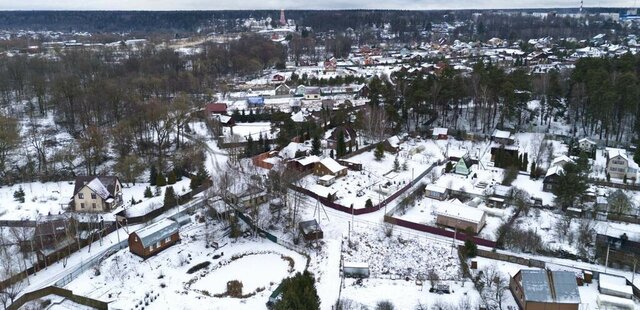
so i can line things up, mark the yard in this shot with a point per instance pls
(379, 178)
(163, 281)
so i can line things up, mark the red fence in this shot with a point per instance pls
(438, 231)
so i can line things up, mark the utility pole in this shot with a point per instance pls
(606, 261)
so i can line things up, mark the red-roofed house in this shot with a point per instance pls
(216, 108)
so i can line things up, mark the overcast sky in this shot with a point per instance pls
(297, 4)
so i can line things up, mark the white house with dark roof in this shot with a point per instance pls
(97, 193)
(619, 164)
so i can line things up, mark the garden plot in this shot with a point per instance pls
(162, 281)
(40, 199)
(244, 130)
(408, 295)
(379, 178)
(401, 256)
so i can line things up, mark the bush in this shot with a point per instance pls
(234, 289)
(161, 180)
(299, 292)
(368, 203)
(147, 192)
(385, 305)
(470, 248)
(510, 174)
(198, 267)
(171, 179)
(448, 167)
(19, 195)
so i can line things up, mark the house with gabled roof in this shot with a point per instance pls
(154, 238)
(328, 166)
(463, 166)
(619, 164)
(97, 193)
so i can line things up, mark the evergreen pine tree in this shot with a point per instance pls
(341, 147)
(525, 162)
(153, 176)
(161, 180)
(332, 154)
(533, 173)
(178, 173)
(147, 192)
(249, 148)
(171, 178)
(315, 146)
(299, 292)
(18, 195)
(379, 152)
(396, 164)
(170, 200)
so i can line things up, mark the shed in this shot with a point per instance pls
(216, 108)
(310, 230)
(326, 180)
(355, 270)
(614, 286)
(436, 192)
(440, 133)
(154, 238)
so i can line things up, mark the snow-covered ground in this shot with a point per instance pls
(40, 199)
(244, 130)
(378, 179)
(126, 280)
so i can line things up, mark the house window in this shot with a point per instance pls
(82, 205)
(93, 205)
(93, 195)
(167, 240)
(135, 239)
(80, 196)
(158, 244)
(151, 248)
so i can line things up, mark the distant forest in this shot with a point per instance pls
(189, 21)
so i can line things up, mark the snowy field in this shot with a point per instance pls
(162, 281)
(378, 179)
(244, 130)
(40, 199)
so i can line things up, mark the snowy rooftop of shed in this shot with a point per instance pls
(460, 211)
(332, 165)
(613, 283)
(565, 287)
(157, 231)
(535, 285)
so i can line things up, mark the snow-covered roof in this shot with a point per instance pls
(332, 165)
(586, 140)
(460, 211)
(560, 161)
(614, 152)
(502, 134)
(157, 231)
(616, 284)
(554, 170)
(327, 177)
(308, 160)
(535, 285)
(565, 287)
(436, 188)
(394, 141)
(298, 117)
(355, 265)
(290, 150)
(97, 187)
(619, 302)
(440, 131)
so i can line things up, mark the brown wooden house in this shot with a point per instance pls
(329, 166)
(154, 238)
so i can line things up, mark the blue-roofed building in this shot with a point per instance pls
(541, 289)
(154, 238)
(255, 101)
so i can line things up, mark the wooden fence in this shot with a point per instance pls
(438, 231)
(53, 290)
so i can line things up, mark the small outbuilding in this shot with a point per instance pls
(326, 180)
(460, 216)
(355, 270)
(436, 192)
(310, 230)
(614, 286)
(329, 166)
(440, 133)
(154, 238)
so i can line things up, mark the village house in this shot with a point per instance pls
(331, 64)
(300, 91)
(456, 215)
(463, 166)
(312, 93)
(587, 145)
(544, 289)
(561, 161)
(246, 196)
(391, 144)
(502, 137)
(440, 134)
(328, 166)
(256, 101)
(266, 160)
(278, 78)
(216, 109)
(303, 164)
(154, 238)
(619, 164)
(97, 193)
(551, 178)
(283, 90)
(349, 134)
